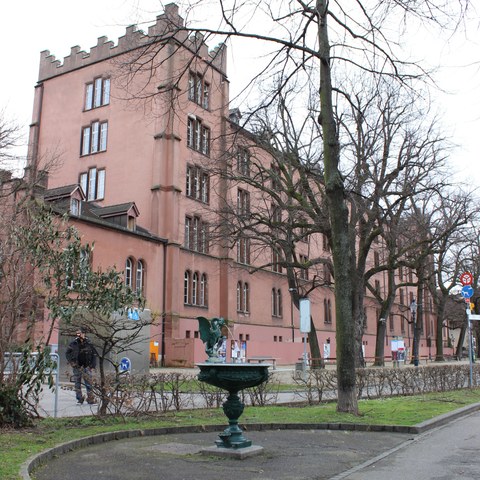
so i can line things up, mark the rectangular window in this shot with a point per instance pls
(101, 185)
(243, 162)
(93, 184)
(188, 229)
(303, 274)
(276, 177)
(103, 136)
(205, 141)
(89, 96)
(84, 182)
(198, 90)
(206, 96)
(243, 250)
(75, 206)
(97, 93)
(198, 136)
(94, 138)
(243, 202)
(197, 184)
(95, 132)
(276, 259)
(86, 140)
(196, 234)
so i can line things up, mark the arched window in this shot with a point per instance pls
(186, 287)
(140, 272)
(195, 289)
(246, 298)
(128, 272)
(203, 291)
(239, 297)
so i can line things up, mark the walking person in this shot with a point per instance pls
(82, 356)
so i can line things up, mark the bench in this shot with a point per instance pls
(271, 360)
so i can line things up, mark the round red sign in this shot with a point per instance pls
(466, 278)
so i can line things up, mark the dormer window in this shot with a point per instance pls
(131, 222)
(75, 207)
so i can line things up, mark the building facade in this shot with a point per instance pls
(146, 152)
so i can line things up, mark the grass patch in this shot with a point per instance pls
(17, 446)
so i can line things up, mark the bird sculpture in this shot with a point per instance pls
(211, 335)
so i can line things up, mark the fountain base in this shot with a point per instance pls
(237, 453)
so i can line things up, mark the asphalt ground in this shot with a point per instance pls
(445, 448)
(288, 454)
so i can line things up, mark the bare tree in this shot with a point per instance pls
(309, 40)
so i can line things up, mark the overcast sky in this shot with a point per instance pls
(30, 26)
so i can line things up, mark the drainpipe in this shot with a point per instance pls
(164, 297)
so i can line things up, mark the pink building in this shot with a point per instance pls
(138, 180)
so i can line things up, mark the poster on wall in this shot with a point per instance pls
(398, 349)
(222, 351)
(238, 351)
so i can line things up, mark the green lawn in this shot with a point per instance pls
(17, 446)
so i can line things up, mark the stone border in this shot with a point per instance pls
(41, 458)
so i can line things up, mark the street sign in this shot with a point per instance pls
(466, 278)
(125, 365)
(305, 315)
(467, 291)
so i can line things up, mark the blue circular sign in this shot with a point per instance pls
(467, 291)
(125, 364)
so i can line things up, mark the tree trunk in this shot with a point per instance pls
(338, 211)
(315, 354)
(461, 341)
(439, 331)
(380, 344)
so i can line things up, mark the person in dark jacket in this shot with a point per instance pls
(82, 356)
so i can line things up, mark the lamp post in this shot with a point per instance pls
(413, 311)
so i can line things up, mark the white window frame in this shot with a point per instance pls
(93, 183)
(128, 273)
(97, 93)
(94, 138)
(139, 277)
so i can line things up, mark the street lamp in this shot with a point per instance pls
(413, 311)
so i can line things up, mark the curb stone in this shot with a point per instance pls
(41, 458)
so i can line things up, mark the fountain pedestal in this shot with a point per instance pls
(233, 377)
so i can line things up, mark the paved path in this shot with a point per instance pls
(450, 452)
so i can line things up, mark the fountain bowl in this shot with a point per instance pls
(233, 376)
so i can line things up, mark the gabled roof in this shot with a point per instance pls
(113, 210)
(63, 192)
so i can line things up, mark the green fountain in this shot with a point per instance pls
(232, 377)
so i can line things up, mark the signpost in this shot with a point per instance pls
(305, 326)
(466, 279)
(125, 365)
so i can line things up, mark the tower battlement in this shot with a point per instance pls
(168, 25)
